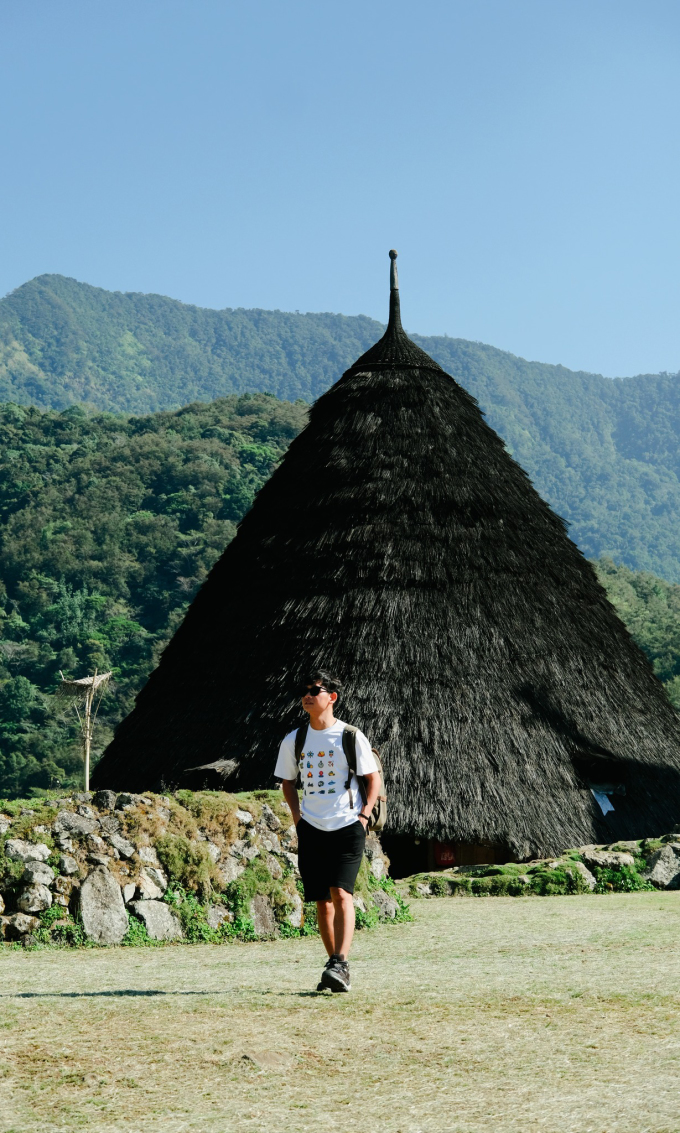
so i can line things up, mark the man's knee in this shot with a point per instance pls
(341, 896)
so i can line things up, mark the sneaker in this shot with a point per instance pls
(336, 975)
(321, 986)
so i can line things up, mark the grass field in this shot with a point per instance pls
(557, 1015)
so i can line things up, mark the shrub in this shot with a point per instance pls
(623, 880)
(388, 886)
(498, 885)
(310, 926)
(188, 866)
(70, 935)
(136, 933)
(439, 886)
(214, 811)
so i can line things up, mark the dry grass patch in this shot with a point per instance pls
(555, 1016)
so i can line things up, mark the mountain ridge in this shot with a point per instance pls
(604, 452)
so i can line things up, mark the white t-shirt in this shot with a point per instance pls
(324, 770)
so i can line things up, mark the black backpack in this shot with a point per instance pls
(349, 746)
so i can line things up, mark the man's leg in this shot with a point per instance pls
(325, 918)
(343, 922)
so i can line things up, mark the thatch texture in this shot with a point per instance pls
(400, 545)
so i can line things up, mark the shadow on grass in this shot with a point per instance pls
(152, 991)
(93, 994)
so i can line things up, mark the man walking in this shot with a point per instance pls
(331, 819)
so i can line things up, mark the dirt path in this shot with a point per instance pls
(556, 1015)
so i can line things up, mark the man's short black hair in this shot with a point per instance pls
(323, 677)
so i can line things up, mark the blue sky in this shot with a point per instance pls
(522, 156)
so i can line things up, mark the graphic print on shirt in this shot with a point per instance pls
(316, 782)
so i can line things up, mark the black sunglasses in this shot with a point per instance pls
(313, 691)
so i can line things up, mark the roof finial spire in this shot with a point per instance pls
(394, 278)
(394, 324)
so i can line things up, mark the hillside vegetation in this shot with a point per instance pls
(604, 453)
(107, 528)
(108, 525)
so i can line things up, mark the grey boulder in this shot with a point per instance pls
(102, 909)
(125, 848)
(160, 921)
(274, 867)
(125, 800)
(378, 868)
(129, 891)
(5, 823)
(148, 855)
(109, 824)
(105, 800)
(289, 839)
(217, 915)
(19, 851)
(68, 823)
(229, 870)
(19, 925)
(572, 867)
(63, 887)
(262, 916)
(152, 883)
(606, 859)
(270, 818)
(295, 916)
(67, 865)
(663, 868)
(385, 904)
(38, 873)
(34, 899)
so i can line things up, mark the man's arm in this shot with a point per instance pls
(372, 781)
(289, 788)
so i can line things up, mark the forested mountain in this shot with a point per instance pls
(109, 524)
(604, 453)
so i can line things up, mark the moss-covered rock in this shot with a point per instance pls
(622, 867)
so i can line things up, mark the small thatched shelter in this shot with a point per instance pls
(400, 545)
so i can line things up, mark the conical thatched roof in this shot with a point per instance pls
(399, 545)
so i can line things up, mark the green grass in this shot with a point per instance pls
(505, 1016)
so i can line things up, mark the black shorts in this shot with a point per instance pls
(329, 858)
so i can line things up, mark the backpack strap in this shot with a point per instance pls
(299, 744)
(349, 746)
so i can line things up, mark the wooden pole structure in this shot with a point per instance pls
(87, 729)
(85, 690)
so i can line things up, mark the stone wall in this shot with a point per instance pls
(620, 867)
(109, 868)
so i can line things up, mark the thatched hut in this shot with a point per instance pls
(400, 545)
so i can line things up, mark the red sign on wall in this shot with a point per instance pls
(444, 854)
